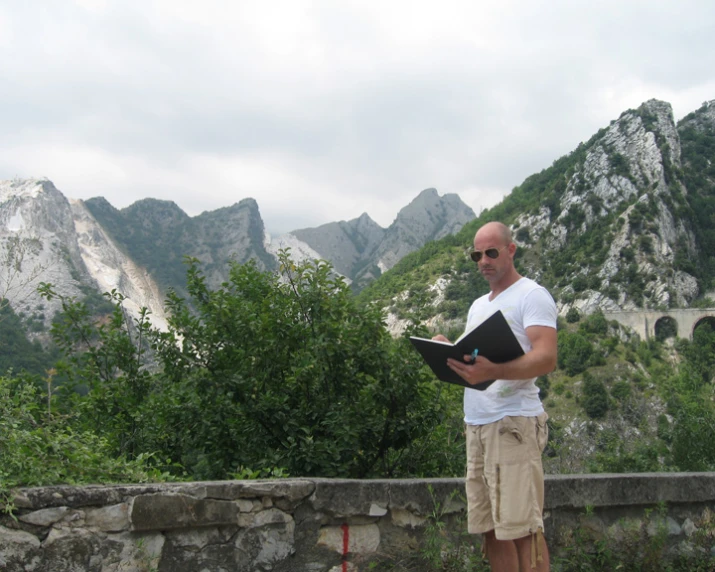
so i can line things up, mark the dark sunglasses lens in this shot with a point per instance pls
(490, 252)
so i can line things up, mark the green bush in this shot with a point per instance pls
(38, 447)
(595, 323)
(574, 352)
(287, 371)
(594, 397)
(573, 315)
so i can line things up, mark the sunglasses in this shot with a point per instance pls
(490, 252)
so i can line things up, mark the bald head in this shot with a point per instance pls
(495, 231)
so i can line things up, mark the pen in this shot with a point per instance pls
(474, 355)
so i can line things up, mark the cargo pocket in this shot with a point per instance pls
(542, 431)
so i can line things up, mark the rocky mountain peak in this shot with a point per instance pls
(21, 188)
(428, 217)
(40, 243)
(625, 185)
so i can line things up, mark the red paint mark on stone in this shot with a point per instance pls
(346, 544)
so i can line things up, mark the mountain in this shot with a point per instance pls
(623, 222)
(44, 237)
(86, 248)
(361, 250)
(158, 235)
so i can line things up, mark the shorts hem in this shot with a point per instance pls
(515, 533)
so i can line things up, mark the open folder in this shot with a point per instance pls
(493, 339)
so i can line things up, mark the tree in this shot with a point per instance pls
(107, 359)
(288, 374)
(574, 352)
(595, 397)
(573, 315)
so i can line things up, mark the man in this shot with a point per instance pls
(506, 423)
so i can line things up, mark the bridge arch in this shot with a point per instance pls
(643, 322)
(704, 320)
(665, 327)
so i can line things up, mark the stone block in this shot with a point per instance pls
(406, 519)
(377, 510)
(360, 539)
(72, 549)
(339, 498)
(268, 540)
(113, 518)
(19, 551)
(167, 512)
(132, 552)
(45, 516)
(421, 496)
(245, 505)
(660, 525)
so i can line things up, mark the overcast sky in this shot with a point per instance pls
(323, 110)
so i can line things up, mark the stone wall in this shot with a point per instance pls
(319, 525)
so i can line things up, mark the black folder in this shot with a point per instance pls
(492, 338)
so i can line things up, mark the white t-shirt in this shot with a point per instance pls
(523, 304)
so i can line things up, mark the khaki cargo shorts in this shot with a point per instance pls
(505, 477)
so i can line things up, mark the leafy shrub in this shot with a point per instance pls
(543, 384)
(621, 390)
(289, 372)
(573, 315)
(595, 397)
(595, 323)
(38, 447)
(574, 352)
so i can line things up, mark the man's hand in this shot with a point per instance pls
(479, 370)
(440, 338)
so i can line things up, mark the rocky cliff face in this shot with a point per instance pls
(111, 269)
(627, 189)
(158, 235)
(346, 244)
(45, 238)
(89, 246)
(624, 222)
(428, 217)
(361, 250)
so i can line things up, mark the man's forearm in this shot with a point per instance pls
(532, 364)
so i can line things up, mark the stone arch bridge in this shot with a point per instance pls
(643, 322)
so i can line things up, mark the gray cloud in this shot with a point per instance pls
(323, 110)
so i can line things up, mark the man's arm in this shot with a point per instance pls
(539, 361)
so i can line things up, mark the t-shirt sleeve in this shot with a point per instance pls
(539, 309)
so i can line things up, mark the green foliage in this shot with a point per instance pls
(443, 552)
(595, 323)
(543, 384)
(621, 390)
(41, 448)
(666, 328)
(573, 315)
(594, 397)
(641, 545)
(574, 352)
(290, 372)
(16, 351)
(109, 361)
(701, 352)
(619, 165)
(697, 150)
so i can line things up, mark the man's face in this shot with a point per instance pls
(493, 269)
